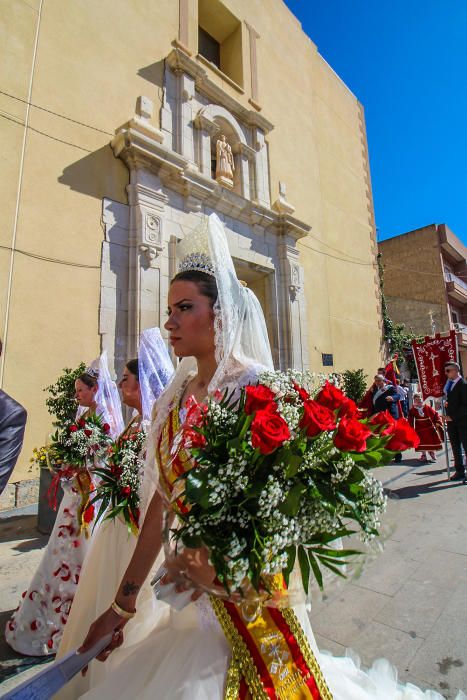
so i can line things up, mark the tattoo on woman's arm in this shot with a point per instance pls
(130, 588)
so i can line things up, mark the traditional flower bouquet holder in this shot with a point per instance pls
(118, 491)
(72, 452)
(272, 478)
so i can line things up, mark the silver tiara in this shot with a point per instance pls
(197, 261)
(92, 371)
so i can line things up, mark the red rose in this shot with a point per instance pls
(106, 427)
(193, 438)
(303, 394)
(73, 428)
(348, 408)
(403, 437)
(351, 435)
(257, 398)
(81, 422)
(331, 397)
(88, 432)
(316, 418)
(383, 422)
(126, 490)
(268, 431)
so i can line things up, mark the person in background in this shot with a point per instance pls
(455, 390)
(386, 398)
(12, 425)
(428, 425)
(403, 398)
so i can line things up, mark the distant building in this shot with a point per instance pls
(425, 282)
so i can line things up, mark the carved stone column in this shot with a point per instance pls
(184, 141)
(261, 195)
(247, 156)
(292, 309)
(147, 206)
(207, 130)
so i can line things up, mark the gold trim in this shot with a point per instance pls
(241, 657)
(297, 631)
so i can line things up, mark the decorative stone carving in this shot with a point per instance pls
(151, 243)
(281, 205)
(225, 165)
(144, 107)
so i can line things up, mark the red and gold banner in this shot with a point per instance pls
(430, 356)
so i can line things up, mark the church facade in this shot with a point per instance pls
(124, 125)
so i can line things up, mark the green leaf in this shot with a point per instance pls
(337, 553)
(293, 465)
(316, 570)
(304, 567)
(333, 568)
(196, 487)
(373, 458)
(291, 504)
(291, 555)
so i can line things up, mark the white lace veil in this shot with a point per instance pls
(241, 339)
(108, 399)
(155, 368)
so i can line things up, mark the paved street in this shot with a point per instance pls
(409, 605)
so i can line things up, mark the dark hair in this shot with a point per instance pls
(133, 367)
(205, 283)
(88, 379)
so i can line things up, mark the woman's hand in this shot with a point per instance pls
(188, 569)
(108, 623)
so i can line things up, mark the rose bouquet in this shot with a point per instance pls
(80, 443)
(120, 479)
(276, 476)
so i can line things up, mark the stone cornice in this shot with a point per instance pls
(181, 62)
(140, 145)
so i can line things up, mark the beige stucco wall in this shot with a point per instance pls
(91, 62)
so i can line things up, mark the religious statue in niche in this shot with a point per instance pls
(225, 165)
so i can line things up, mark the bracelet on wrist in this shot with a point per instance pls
(121, 612)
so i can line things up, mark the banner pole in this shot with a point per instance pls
(445, 425)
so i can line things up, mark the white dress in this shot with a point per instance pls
(187, 656)
(36, 627)
(111, 550)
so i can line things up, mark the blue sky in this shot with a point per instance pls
(407, 63)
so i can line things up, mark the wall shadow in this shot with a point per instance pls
(98, 175)
(154, 73)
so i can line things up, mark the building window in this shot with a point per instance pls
(327, 359)
(220, 39)
(455, 316)
(209, 47)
